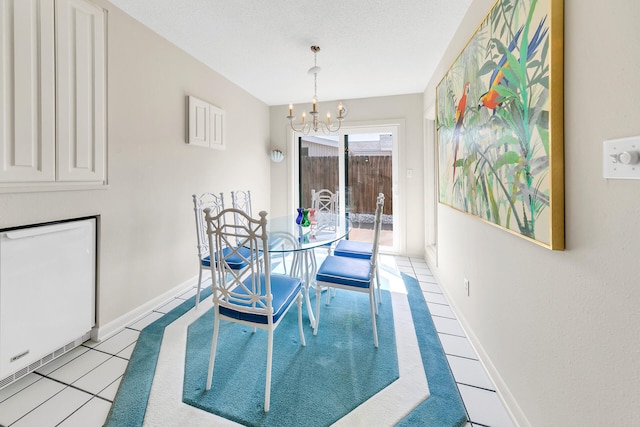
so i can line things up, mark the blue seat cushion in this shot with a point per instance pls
(234, 261)
(345, 271)
(350, 248)
(284, 290)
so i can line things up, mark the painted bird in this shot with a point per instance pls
(490, 99)
(462, 106)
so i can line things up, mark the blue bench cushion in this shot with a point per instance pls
(235, 261)
(345, 271)
(284, 290)
(350, 248)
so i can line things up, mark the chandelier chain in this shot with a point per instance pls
(315, 74)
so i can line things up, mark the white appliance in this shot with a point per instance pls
(47, 293)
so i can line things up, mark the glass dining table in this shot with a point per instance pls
(286, 237)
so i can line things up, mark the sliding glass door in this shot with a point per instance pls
(357, 164)
(319, 166)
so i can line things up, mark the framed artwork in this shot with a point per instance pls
(500, 122)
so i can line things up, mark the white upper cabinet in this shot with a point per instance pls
(80, 61)
(53, 92)
(27, 95)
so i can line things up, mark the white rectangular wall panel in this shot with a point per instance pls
(199, 132)
(205, 124)
(217, 131)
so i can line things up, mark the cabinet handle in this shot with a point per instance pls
(38, 231)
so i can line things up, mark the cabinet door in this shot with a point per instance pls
(27, 95)
(81, 94)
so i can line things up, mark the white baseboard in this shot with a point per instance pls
(102, 332)
(431, 255)
(510, 403)
(502, 390)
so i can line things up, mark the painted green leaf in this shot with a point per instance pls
(508, 140)
(506, 92)
(508, 158)
(515, 73)
(544, 136)
(487, 68)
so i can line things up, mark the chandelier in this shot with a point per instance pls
(315, 125)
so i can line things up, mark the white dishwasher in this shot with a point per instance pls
(47, 293)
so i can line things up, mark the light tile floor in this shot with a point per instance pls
(484, 406)
(77, 389)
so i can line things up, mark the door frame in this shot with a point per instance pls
(397, 128)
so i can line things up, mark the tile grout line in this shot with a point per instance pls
(470, 422)
(409, 265)
(448, 364)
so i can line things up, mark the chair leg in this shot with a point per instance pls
(212, 356)
(199, 285)
(373, 316)
(378, 282)
(284, 262)
(328, 296)
(299, 303)
(376, 298)
(295, 266)
(375, 302)
(267, 387)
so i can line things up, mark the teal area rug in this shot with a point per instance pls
(130, 403)
(444, 406)
(314, 385)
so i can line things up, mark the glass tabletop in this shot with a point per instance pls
(287, 236)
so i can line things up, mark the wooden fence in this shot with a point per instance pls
(367, 176)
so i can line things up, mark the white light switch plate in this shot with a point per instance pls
(616, 155)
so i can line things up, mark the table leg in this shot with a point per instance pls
(309, 272)
(305, 266)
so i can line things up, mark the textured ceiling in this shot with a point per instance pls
(368, 47)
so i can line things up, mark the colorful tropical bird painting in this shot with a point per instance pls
(490, 99)
(462, 106)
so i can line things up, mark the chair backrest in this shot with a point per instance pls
(324, 201)
(215, 203)
(230, 286)
(376, 229)
(241, 200)
(325, 204)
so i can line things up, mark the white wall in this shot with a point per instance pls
(147, 232)
(560, 331)
(406, 109)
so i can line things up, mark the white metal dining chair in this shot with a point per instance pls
(278, 242)
(215, 203)
(324, 203)
(241, 200)
(361, 250)
(255, 297)
(352, 274)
